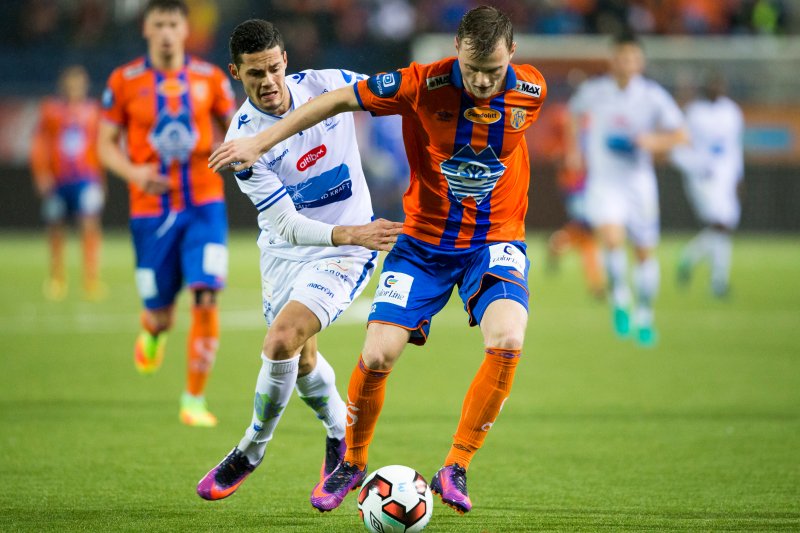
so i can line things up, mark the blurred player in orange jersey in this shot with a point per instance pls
(464, 120)
(69, 180)
(166, 104)
(577, 232)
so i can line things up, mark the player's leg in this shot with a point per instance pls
(54, 211)
(158, 281)
(91, 205)
(495, 293)
(645, 234)
(202, 247)
(721, 252)
(316, 386)
(365, 395)
(615, 256)
(201, 352)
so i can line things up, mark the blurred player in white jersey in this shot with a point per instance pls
(315, 218)
(630, 119)
(713, 168)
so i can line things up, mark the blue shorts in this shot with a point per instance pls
(417, 280)
(79, 198)
(184, 246)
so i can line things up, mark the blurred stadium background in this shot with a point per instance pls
(754, 42)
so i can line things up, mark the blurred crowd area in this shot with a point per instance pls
(364, 35)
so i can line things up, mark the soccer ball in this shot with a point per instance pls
(395, 499)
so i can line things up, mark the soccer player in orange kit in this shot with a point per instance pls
(463, 123)
(69, 180)
(166, 103)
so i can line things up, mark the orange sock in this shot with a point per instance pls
(364, 403)
(56, 238)
(485, 397)
(202, 349)
(91, 255)
(595, 276)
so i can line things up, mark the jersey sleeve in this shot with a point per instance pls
(390, 93)
(224, 98)
(670, 116)
(112, 102)
(40, 146)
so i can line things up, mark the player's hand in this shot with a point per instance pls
(237, 154)
(44, 186)
(379, 234)
(147, 178)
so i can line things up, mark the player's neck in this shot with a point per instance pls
(170, 62)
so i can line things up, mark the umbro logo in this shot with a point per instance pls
(243, 119)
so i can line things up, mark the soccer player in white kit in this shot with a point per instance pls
(713, 168)
(316, 242)
(630, 118)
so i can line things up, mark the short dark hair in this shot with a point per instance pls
(252, 36)
(626, 36)
(484, 27)
(166, 5)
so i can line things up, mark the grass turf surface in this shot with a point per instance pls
(700, 433)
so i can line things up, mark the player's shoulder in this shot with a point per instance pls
(201, 67)
(244, 122)
(324, 78)
(529, 81)
(131, 70)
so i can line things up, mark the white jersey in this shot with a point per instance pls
(615, 117)
(716, 130)
(319, 169)
(713, 163)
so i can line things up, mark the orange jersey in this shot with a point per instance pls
(469, 161)
(64, 144)
(168, 120)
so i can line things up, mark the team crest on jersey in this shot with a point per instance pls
(172, 88)
(482, 115)
(518, 115)
(531, 89)
(385, 85)
(173, 136)
(472, 175)
(437, 82)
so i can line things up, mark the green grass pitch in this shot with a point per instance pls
(700, 433)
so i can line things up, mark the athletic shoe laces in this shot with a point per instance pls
(232, 467)
(459, 478)
(341, 476)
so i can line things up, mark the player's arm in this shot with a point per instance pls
(43, 178)
(146, 177)
(245, 151)
(299, 230)
(573, 158)
(661, 142)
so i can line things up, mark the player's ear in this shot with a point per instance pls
(234, 71)
(512, 50)
(455, 43)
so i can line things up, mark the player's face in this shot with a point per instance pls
(485, 76)
(166, 32)
(75, 84)
(627, 61)
(263, 75)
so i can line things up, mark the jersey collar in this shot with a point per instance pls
(458, 81)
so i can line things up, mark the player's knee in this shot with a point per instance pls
(506, 337)
(205, 297)
(377, 359)
(282, 343)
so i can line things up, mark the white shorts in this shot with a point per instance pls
(326, 286)
(714, 199)
(633, 205)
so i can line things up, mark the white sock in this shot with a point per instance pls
(721, 251)
(273, 391)
(616, 260)
(318, 390)
(646, 278)
(699, 247)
